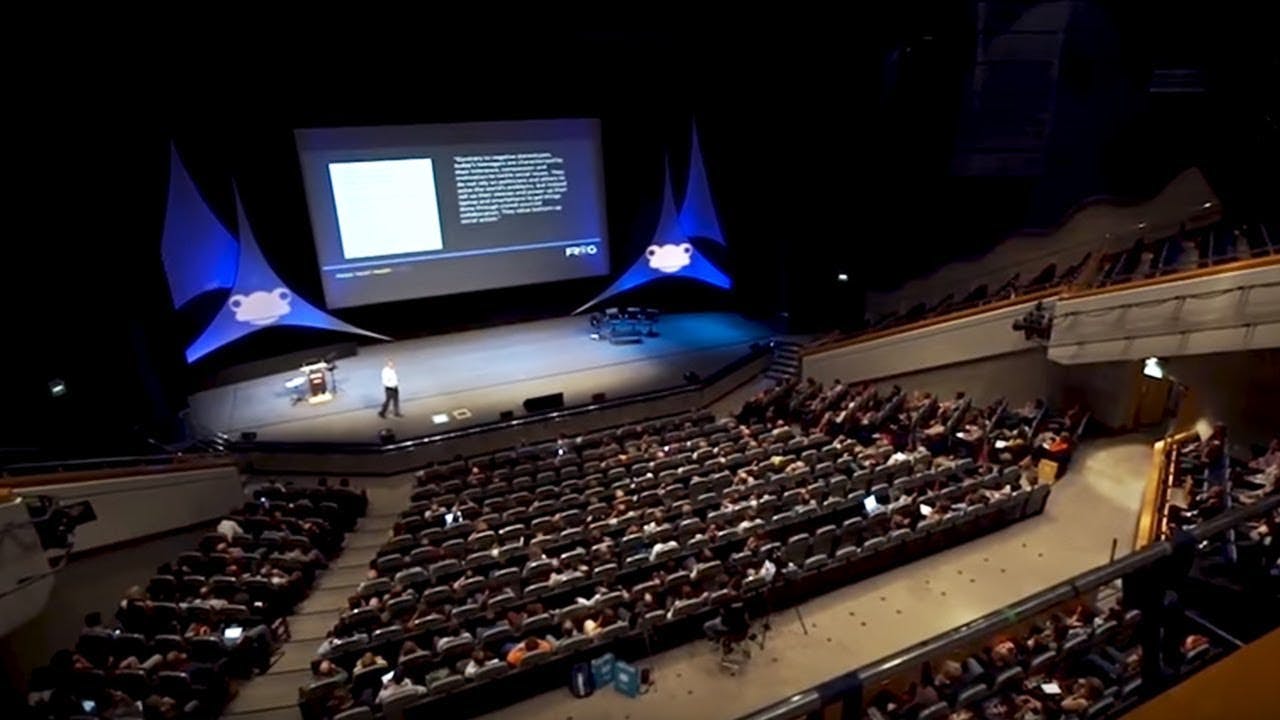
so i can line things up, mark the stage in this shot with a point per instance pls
(481, 372)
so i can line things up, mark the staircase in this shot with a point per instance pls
(786, 361)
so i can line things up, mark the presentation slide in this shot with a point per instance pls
(415, 211)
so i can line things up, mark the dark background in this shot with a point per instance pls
(829, 145)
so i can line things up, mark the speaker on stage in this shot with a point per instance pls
(598, 398)
(386, 436)
(506, 415)
(248, 436)
(543, 403)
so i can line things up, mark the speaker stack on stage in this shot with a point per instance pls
(543, 403)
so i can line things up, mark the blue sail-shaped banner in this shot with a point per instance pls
(697, 212)
(260, 299)
(199, 254)
(670, 254)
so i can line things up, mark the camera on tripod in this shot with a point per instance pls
(55, 524)
(1037, 324)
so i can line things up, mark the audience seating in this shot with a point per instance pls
(1183, 251)
(1092, 655)
(168, 654)
(628, 540)
(1207, 481)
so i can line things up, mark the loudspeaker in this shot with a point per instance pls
(597, 398)
(543, 403)
(248, 436)
(506, 415)
(386, 436)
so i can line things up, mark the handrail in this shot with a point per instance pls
(931, 322)
(1191, 274)
(980, 629)
(1069, 291)
(177, 463)
(1155, 496)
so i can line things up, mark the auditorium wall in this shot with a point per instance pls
(960, 341)
(135, 506)
(1240, 389)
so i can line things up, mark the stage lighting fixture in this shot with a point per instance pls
(440, 418)
(842, 277)
(1152, 368)
(57, 388)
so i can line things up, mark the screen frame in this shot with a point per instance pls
(317, 147)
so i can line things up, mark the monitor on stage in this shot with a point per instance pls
(412, 211)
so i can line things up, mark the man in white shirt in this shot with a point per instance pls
(390, 386)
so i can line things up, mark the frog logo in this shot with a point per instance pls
(669, 258)
(261, 307)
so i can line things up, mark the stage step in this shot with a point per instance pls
(785, 365)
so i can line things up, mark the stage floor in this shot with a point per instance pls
(484, 371)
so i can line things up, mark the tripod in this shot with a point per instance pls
(767, 625)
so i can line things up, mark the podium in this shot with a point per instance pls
(314, 383)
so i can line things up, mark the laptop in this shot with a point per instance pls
(231, 635)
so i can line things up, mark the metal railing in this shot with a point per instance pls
(842, 696)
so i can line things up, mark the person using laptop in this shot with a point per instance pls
(393, 683)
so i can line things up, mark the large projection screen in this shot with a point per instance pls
(413, 211)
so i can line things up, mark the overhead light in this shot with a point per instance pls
(1208, 205)
(440, 418)
(1142, 224)
(57, 388)
(1152, 368)
(842, 277)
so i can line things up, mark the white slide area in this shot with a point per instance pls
(386, 207)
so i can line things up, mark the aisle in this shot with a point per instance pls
(275, 694)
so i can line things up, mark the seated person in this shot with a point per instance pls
(518, 653)
(1270, 459)
(1084, 692)
(323, 669)
(732, 622)
(596, 623)
(396, 684)
(369, 660)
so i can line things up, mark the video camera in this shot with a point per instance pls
(55, 523)
(1037, 324)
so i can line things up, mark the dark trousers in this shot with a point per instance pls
(392, 400)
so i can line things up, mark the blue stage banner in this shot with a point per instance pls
(199, 254)
(259, 299)
(669, 254)
(697, 212)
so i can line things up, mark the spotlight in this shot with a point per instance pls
(57, 388)
(842, 277)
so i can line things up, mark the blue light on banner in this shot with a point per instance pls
(260, 299)
(199, 254)
(670, 254)
(697, 212)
